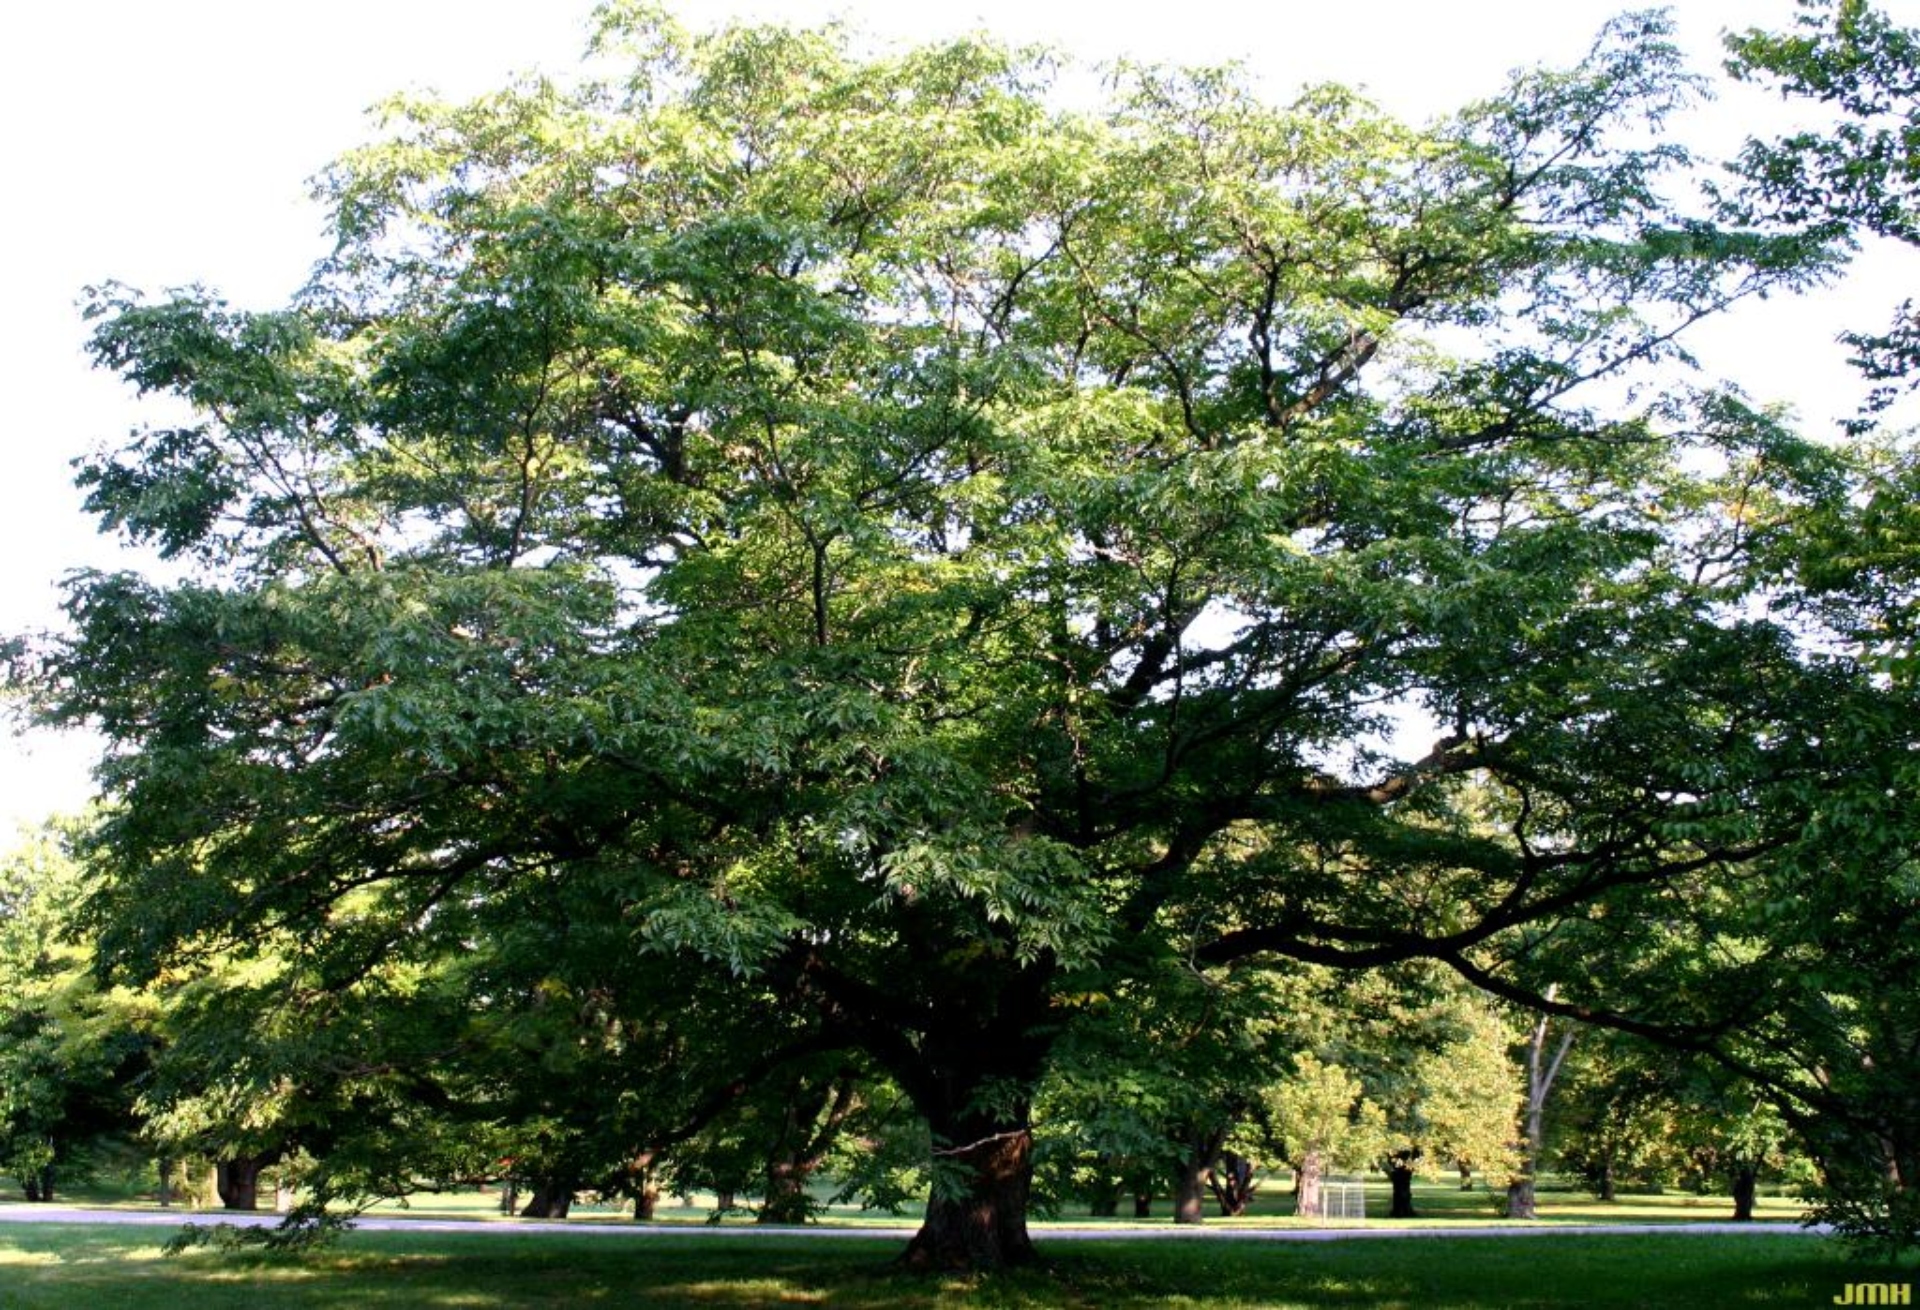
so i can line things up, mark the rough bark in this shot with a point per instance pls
(978, 1221)
(1143, 1205)
(1520, 1199)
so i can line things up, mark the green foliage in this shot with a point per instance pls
(1320, 1109)
(788, 550)
(1857, 171)
(68, 1048)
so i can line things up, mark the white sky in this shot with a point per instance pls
(161, 142)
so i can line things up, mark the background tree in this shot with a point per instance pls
(1327, 1123)
(71, 1052)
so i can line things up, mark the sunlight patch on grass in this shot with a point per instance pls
(18, 1257)
(745, 1291)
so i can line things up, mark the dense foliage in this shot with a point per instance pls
(781, 561)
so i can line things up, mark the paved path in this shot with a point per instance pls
(49, 1214)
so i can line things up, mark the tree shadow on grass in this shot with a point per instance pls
(123, 1268)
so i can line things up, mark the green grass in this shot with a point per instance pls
(69, 1266)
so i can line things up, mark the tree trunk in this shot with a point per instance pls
(1466, 1177)
(786, 1200)
(237, 1180)
(1103, 1197)
(1400, 1175)
(978, 1218)
(1309, 1194)
(1190, 1191)
(1232, 1184)
(814, 1117)
(1746, 1179)
(164, 1168)
(1542, 1070)
(1190, 1178)
(641, 1185)
(552, 1198)
(1143, 1205)
(1605, 1189)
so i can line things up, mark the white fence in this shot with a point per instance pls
(1345, 1199)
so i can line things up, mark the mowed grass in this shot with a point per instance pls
(85, 1265)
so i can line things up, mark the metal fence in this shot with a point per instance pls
(1345, 1198)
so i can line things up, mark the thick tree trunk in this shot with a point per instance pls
(786, 1200)
(237, 1180)
(1190, 1178)
(641, 1185)
(1143, 1205)
(1604, 1189)
(1466, 1177)
(1746, 1181)
(1520, 1199)
(978, 1220)
(1400, 1175)
(1309, 1192)
(1232, 1183)
(552, 1198)
(1190, 1191)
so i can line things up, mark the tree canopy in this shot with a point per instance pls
(782, 549)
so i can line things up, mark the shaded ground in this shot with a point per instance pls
(69, 1266)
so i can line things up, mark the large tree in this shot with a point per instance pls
(916, 556)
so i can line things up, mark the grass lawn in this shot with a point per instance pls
(70, 1266)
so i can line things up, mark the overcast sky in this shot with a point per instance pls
(162, 142)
